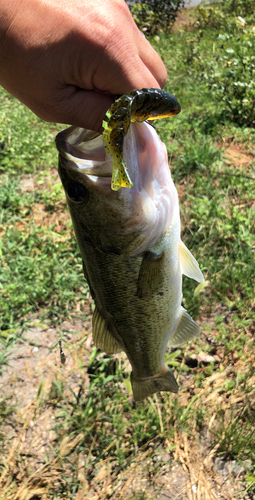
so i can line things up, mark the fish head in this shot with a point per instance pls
(127, 221)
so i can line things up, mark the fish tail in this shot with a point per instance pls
(143, 388)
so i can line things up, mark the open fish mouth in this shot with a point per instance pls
(147, 207)
(85, 151)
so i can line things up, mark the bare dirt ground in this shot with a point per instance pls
(184, 19)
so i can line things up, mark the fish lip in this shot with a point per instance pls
(61, 142)
(67, 139)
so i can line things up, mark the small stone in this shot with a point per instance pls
(166, 457)
(232, 467)
(217, 359)
(205, 358)
(220, 467)
(236, 469)
(247, 464)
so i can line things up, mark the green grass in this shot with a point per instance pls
(36, 261)
(41, 276)
(26, 142)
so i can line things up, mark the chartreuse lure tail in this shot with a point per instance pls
(135, 106)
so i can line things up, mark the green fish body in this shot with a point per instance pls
(132, 253)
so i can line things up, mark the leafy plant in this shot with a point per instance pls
(4, 353)
(218, 14)
(213, 17)
(230, 77)
(154, 16)
(238, 7)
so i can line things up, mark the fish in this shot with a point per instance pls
(125, 213)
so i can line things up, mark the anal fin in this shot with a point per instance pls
(143, 388)
(186, 330)
(102, 337)
(189, 265)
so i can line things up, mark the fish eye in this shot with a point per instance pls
(77, 192)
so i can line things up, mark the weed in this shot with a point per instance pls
(251, 482)
(153, 16)
(197, 155)
(235, 436)
(229, 76)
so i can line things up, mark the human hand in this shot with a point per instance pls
(66, 60)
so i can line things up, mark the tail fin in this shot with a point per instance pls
(142, 388)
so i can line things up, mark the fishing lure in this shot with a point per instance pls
(135, 106)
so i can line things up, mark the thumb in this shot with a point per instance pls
(84, 108)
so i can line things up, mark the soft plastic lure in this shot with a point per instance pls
(135, 106)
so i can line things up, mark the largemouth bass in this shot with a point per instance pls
(129, 238)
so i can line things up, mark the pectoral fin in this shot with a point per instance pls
(150, 275)
(102, 337)
(189, 265)
(186, 330)
(142, 388)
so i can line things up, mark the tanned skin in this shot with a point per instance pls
(68, 59)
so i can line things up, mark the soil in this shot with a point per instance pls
(184, 20)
